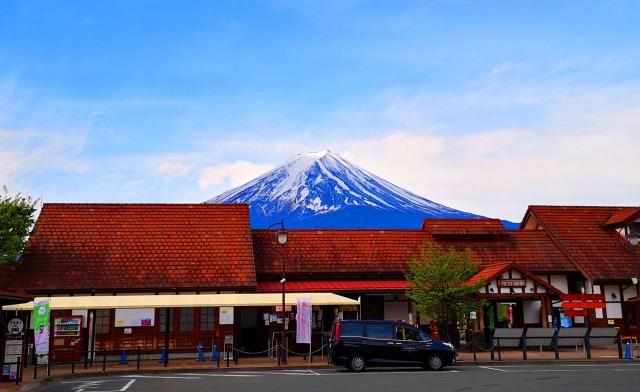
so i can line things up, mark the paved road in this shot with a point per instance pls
(520, 378)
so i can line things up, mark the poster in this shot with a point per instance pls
(226, 315)
(41, 325)
(142, 317)
(303, 332)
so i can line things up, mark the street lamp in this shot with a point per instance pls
(633, 238)
(282, 235)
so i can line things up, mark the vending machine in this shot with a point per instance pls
(67, 335)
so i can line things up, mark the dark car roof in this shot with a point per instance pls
(394, 322)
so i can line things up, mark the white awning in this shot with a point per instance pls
(184, 301)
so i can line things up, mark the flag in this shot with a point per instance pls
(303, 333)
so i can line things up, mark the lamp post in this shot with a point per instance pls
(633, 239)
(282, 235)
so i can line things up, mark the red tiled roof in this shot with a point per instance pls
(596, 250)
(333, 286)
(138, 247)
(318, 254)
(465, 228)
(362, 254)
(622, 218)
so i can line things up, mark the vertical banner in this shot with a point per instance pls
(41, 315)
(303, 333)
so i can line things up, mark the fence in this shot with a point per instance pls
(549, 338)
(142, 358)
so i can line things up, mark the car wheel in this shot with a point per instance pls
(357, 363)
(434, 362)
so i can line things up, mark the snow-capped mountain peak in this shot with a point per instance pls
(323, 190)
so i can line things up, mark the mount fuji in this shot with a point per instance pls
(322, 190)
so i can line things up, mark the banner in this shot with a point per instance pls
(41, 315)
(303, 333)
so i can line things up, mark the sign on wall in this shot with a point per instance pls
(226, 315)
(144, 317)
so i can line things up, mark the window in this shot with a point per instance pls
(380, 331)
(103, 320)
(186, 319)
(207, 319)
(347, 329)
(163, 320)
(406, 334)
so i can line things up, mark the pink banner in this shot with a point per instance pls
(303, 333)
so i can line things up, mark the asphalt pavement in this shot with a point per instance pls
(33, 378)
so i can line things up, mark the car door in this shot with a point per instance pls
(410, 345)
(380, 345)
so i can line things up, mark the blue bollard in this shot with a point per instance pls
(214, 353)
(200, 354)
(627, 354)
(163, 357)
(123, 357)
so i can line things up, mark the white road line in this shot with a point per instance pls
(184, 377)
(492, 368)
(94, 384)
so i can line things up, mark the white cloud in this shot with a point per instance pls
(173, 169)
(504, 68)
(230, 175)
(585, 154)
(23, 152)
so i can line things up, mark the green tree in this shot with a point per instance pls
(438, 284)
(17, 216)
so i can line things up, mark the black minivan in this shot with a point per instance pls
(358, 344)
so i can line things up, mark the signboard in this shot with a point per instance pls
(512, 282)
(577, 305)
(226, 315)
(41, 325)
(144, 317)
(303, 330)
(14, 337)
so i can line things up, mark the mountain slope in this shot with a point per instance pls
(323, 190)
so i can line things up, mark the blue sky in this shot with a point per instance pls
(484, 106)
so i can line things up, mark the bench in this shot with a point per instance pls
(574, 336)
(542, 337)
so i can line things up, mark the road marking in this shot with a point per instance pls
(561, 368)
(492, 368)
(92, 385)
(161, 377)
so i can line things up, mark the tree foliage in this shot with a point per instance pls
(438, 285)
(16, 224)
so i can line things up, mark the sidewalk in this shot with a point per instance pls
(567, 355)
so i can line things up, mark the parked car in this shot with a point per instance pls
(358, 344)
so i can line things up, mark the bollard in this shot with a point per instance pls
(627, 354)
(163, 355)
(214, 353)
(138, 360)
(104, 362)
(200, 354)
(123, 357)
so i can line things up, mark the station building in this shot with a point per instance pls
(150, 275)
